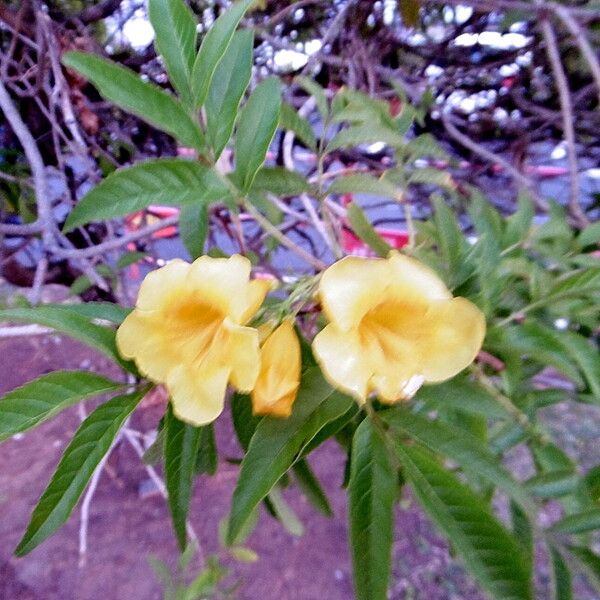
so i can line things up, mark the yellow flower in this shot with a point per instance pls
(277, 384)
(187, 331)
(393, 324)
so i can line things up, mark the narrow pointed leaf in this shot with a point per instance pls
(561, 577)
(278, 443)
(167, 181)
(310, 486)
(588, 520)
(33, 403)
(72, 324)
(181, 451)
(365, 231)
(193, 227)
(256, 128)
(226, 90)
(291, 120)
(372, 492)
(207, 458)
(175, 40)
(141, 98)
(459, 446)
(90, 443)
(489, 552)
(213, 47)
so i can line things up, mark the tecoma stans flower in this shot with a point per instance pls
(393, 325)
(187, 331)
(279, 378)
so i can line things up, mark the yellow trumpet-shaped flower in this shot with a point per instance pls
(393, 324)
(187, 331)
(279, 378)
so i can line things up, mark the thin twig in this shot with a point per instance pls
(566, 106)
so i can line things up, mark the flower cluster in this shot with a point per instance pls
(393, 325)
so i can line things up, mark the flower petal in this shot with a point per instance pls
(222, 283)
(139, 337)
(279, 379)
(343, 361)
(162, 285)
(198, 395)
(239, 349)
(412, 281)
(351, 287)
(456, 329)
(257, 290)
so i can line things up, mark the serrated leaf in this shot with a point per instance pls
(451, 239)
(372, 493)
(310, 486)
(72, 324)
(174, 26)
(141, 98)
(181, 451)
(33, 403)
(519, 223)
(364, 184)
(166, 181)
(291, 120)
(257, 125)
(193, 228)
(226, 90)
(424, 145)
(213, 47)
(280, 181)
(588, 520)
(458, 445)
(90, 443)
(278, 443)
(365, 231)
(489, 552)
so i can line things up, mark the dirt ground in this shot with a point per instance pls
(126, 528)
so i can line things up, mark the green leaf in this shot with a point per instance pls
(175, 40)
(207, 458)
(90, 443)
(278, 443)
(181, 450)
(167, 181)
(38, 400)
(364, 184)
(310, 486)
(587, 358)
(244, 422)
(103, 311)
(451, 239)
(424, 145)
(490, 552)
(372, 493)
(72, 324)
(554, 484)
(589, 562)
(255, 131)
(589, 236)
(226, 90)
(312, 88)
(588, 520)
(431, 176)
(365, 231)
(561, 577)
(519, 224)
(461, 394)
(365, 134)
(280, 181)
(193, 227)
(141, 98)
(213, 48)
(291, 120)
(285, 514)
(458, 445)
